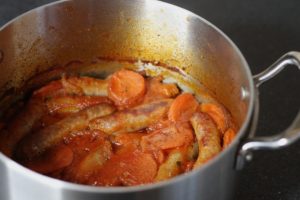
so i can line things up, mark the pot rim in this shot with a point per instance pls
(11, 164)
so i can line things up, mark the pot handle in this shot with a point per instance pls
(283, 139)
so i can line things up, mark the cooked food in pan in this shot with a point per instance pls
(128, 129)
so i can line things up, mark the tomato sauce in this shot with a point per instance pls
(125, 130)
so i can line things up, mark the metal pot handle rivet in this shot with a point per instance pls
(286, 137)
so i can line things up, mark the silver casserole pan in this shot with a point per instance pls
(146, 30)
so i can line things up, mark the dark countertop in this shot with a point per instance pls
(263, 30)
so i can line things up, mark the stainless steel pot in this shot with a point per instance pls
(85, 30)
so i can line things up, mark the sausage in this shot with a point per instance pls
(71, 104)
(36, 143)
(89, 86)
(171, 167)
(132, 119)
(21, 125)
(208, 137)
(73, 86)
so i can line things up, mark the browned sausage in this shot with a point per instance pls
(71, 104)
(36, 143)
(73, 85)
(208, 137)
(21, 125)
(133, 119)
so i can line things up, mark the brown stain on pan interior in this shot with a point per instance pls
(126, 35)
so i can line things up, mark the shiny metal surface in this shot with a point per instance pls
(291, 58)
(87, 30)
(280, 140)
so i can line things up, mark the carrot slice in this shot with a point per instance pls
(175, 135)
(183, 107)
(228, 137)
(127, 141)
(126, 169)
(54, 159)
(156, 89)
(218, 114)
(126, 88)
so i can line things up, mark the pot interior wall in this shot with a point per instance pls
(151, 31)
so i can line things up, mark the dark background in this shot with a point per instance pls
(263, 30)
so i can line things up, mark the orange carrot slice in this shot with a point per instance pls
(127, 140)
(175, 135)
(218, 114)
(156, 89)
(126, 88)
(228, 137)
(126, 169)
(183, 107)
